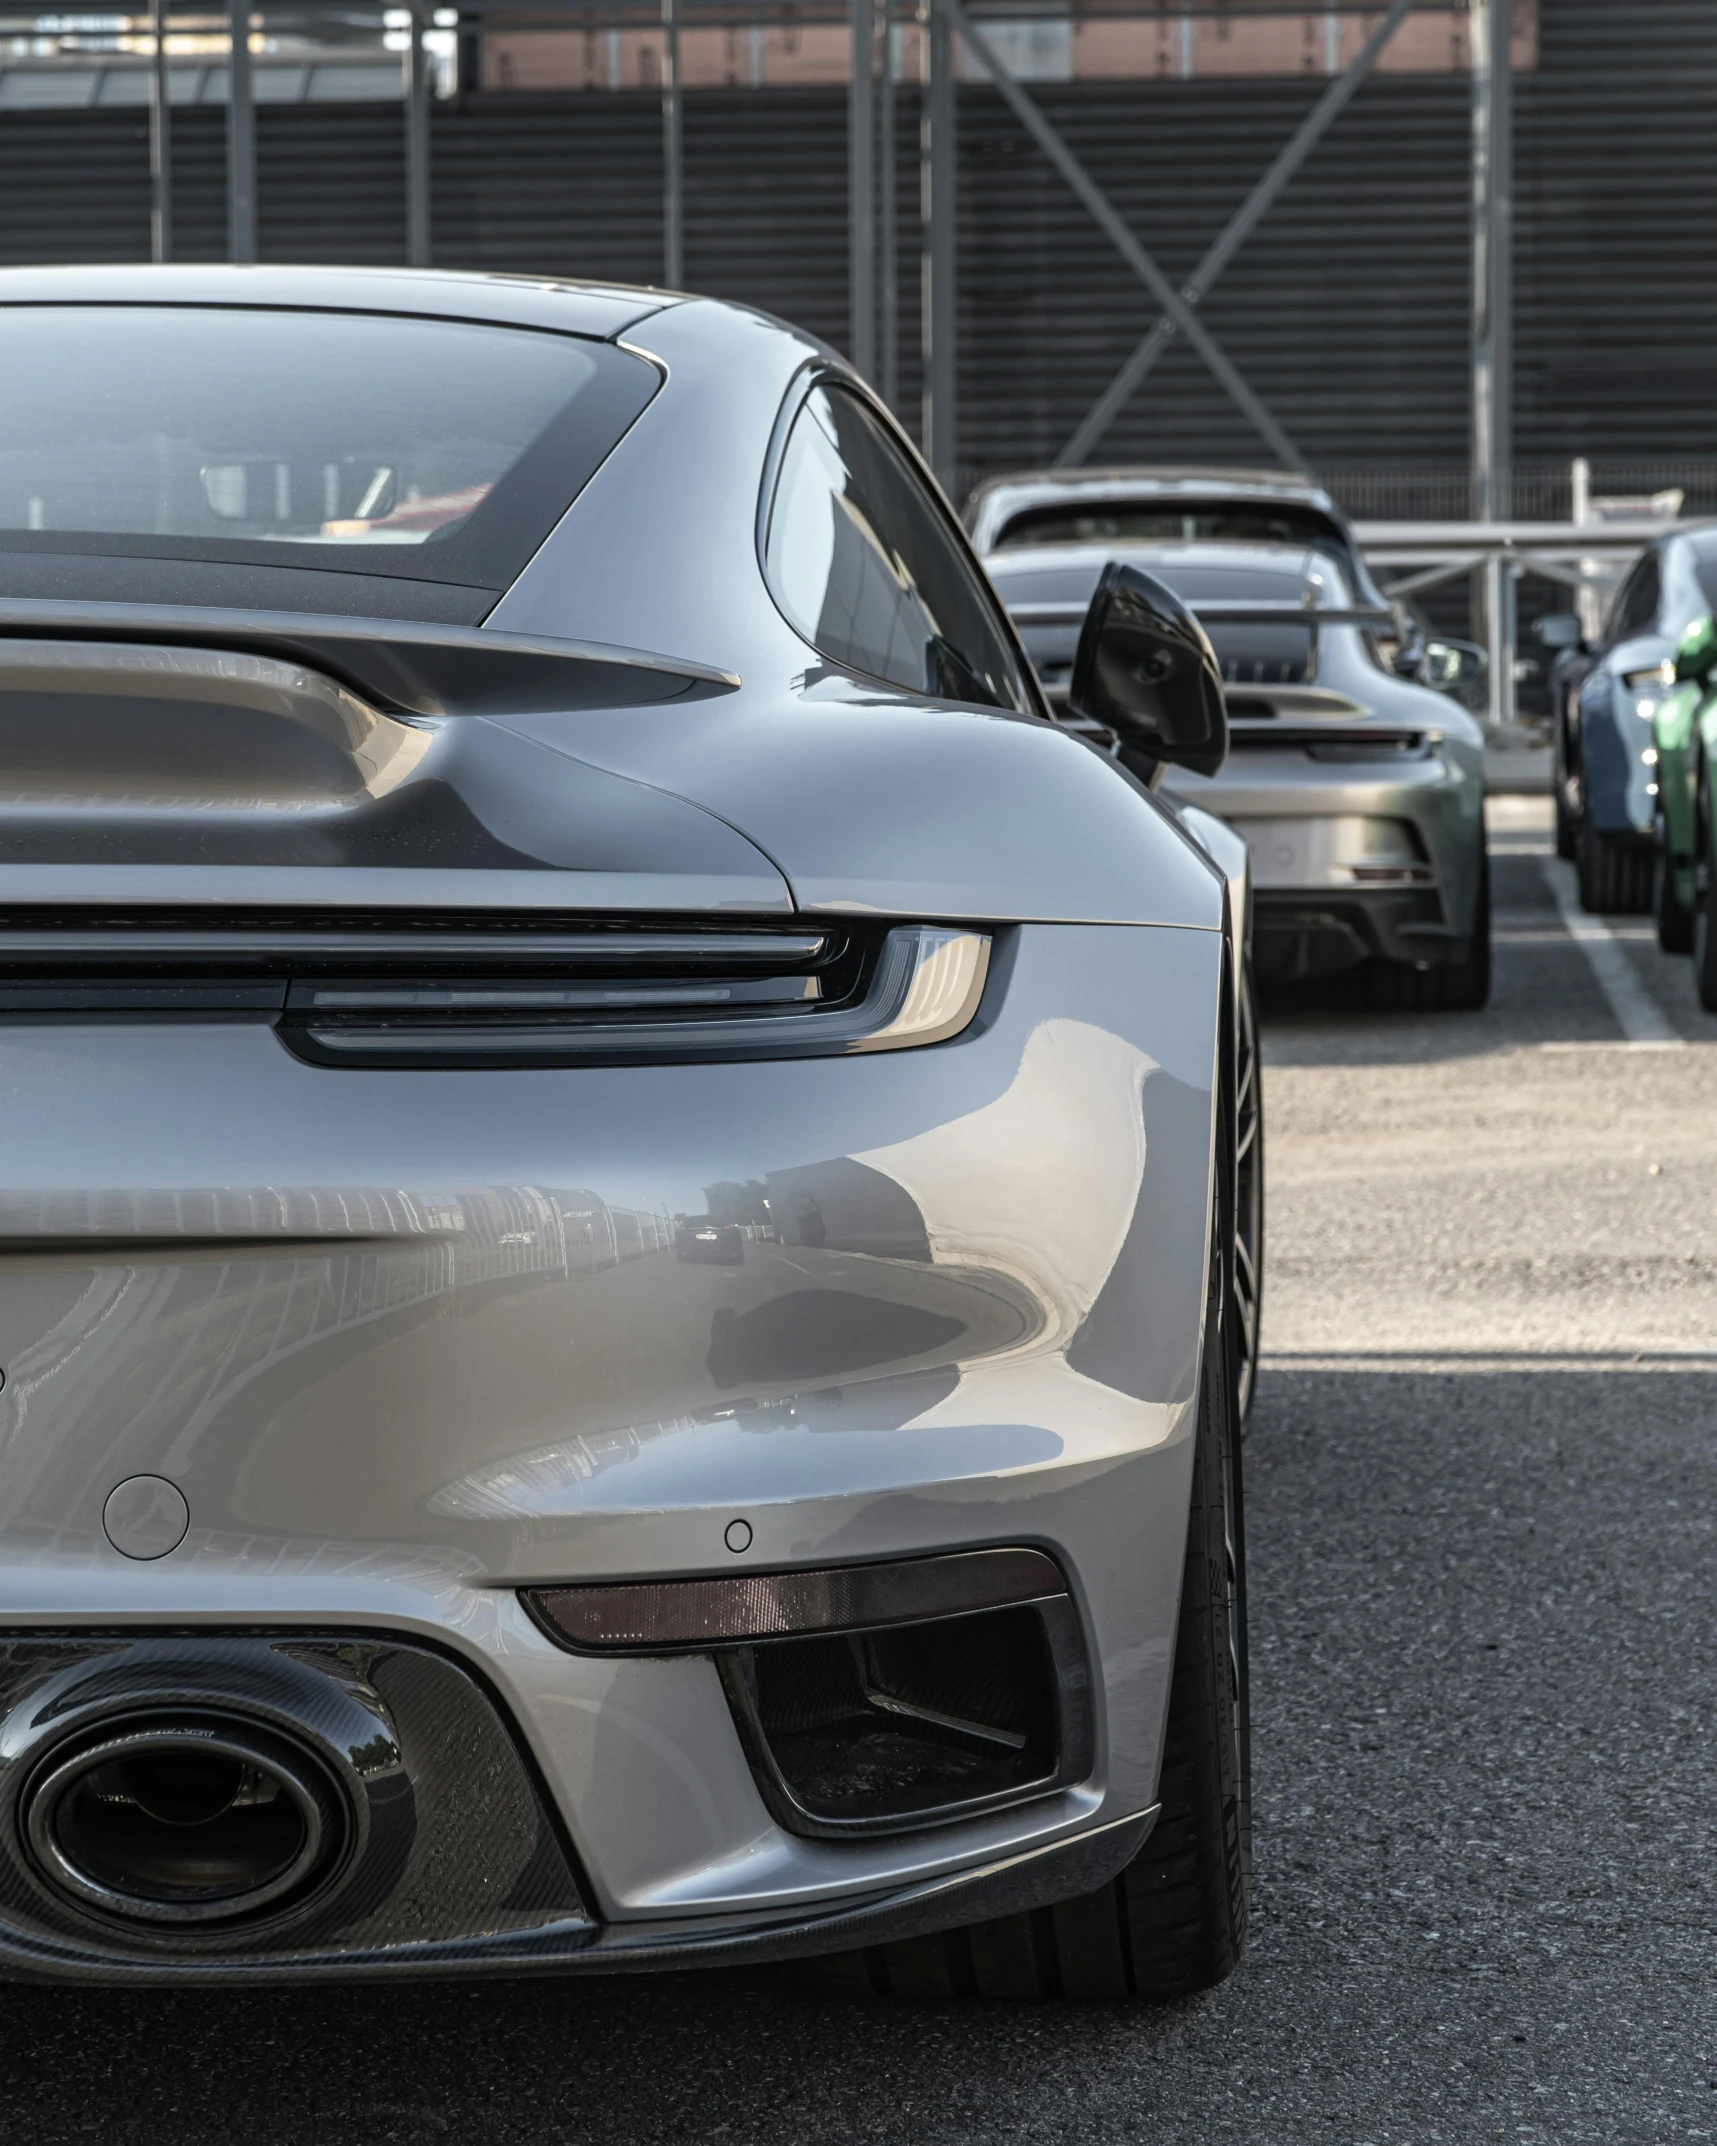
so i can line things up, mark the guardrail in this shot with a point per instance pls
(1588, 557)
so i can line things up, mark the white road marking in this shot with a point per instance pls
(1481, 1361)
(1616, 1043)
(1638, 1015)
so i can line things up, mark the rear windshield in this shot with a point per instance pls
(372, 443)
(1704, 549)
(1170, 522)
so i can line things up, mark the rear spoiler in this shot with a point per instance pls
(1229, 614)
(398, 665)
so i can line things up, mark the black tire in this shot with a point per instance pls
(1174, 1921)
(1248, 1201)
(1704, 901)
(1461, 986)
(1674, 917)
(1614, 877)
(1567, 824)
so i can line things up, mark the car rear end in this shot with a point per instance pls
(1359, 795)
(565, 1406)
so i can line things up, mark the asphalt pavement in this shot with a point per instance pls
(1480, 1491)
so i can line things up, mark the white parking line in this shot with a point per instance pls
(1638, 1015)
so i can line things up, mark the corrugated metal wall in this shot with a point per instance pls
(1347, 310)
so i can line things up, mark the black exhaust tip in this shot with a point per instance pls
(186, 1820)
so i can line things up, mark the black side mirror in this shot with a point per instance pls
(1560, 629)
(1145, 669)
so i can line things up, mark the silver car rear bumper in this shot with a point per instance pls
(408, 1342)
(1354, 860)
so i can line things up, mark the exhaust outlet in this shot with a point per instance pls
(189, 1819)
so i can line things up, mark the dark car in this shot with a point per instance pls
(1606, 696)
(701, 1237)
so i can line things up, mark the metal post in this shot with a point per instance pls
(861, 192)
(241, 136)
(888, 210)
(1241, 225)
(1492, 260)
(673, 182)
(160, 144)
(938, 166)
(1121, 236)
(1490, 23)
(417, 92)
(1588, 597)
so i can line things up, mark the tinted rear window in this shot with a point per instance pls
(1704, 550)
(1170, 522)
(366, 443)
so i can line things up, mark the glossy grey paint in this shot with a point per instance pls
(866, 798)
(407, 1340)
(1441, 796)
(376, 1330)
(861, 798)
(161, 773)
(510, 301)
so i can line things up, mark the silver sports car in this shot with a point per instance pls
(620, 1315)
(1360, 793)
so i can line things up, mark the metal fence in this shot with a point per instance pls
(1383, 255)
(1346, 308)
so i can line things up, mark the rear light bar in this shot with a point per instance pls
(667, 1616)
(925, 986)
(493, 992)
(126, 945)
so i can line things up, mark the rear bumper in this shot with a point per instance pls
(409, 1342)
(1358, 865)
(1301, 934)
(461, 1868)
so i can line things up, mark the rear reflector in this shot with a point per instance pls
(650, 1616)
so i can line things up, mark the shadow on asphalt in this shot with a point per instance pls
(1543, 989)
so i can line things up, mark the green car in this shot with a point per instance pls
(1684, 733)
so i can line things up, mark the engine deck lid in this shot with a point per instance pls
(337, 762)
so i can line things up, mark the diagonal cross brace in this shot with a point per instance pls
(1114, 228)
(1244, 222)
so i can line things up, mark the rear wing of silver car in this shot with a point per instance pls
(1221, 613)
(402, 667)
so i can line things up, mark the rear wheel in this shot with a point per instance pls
(1704, 902)
(1248, 1200)
(1461, 986)
(1614, 876)
(1567, 825)
(1174, 1921)
(1674, 917)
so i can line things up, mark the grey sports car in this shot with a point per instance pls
(511, 788)
(1360, 793)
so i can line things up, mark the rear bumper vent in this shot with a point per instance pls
(872, 1698)
(1335, 742)
(916, 1725)
(449, 992)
